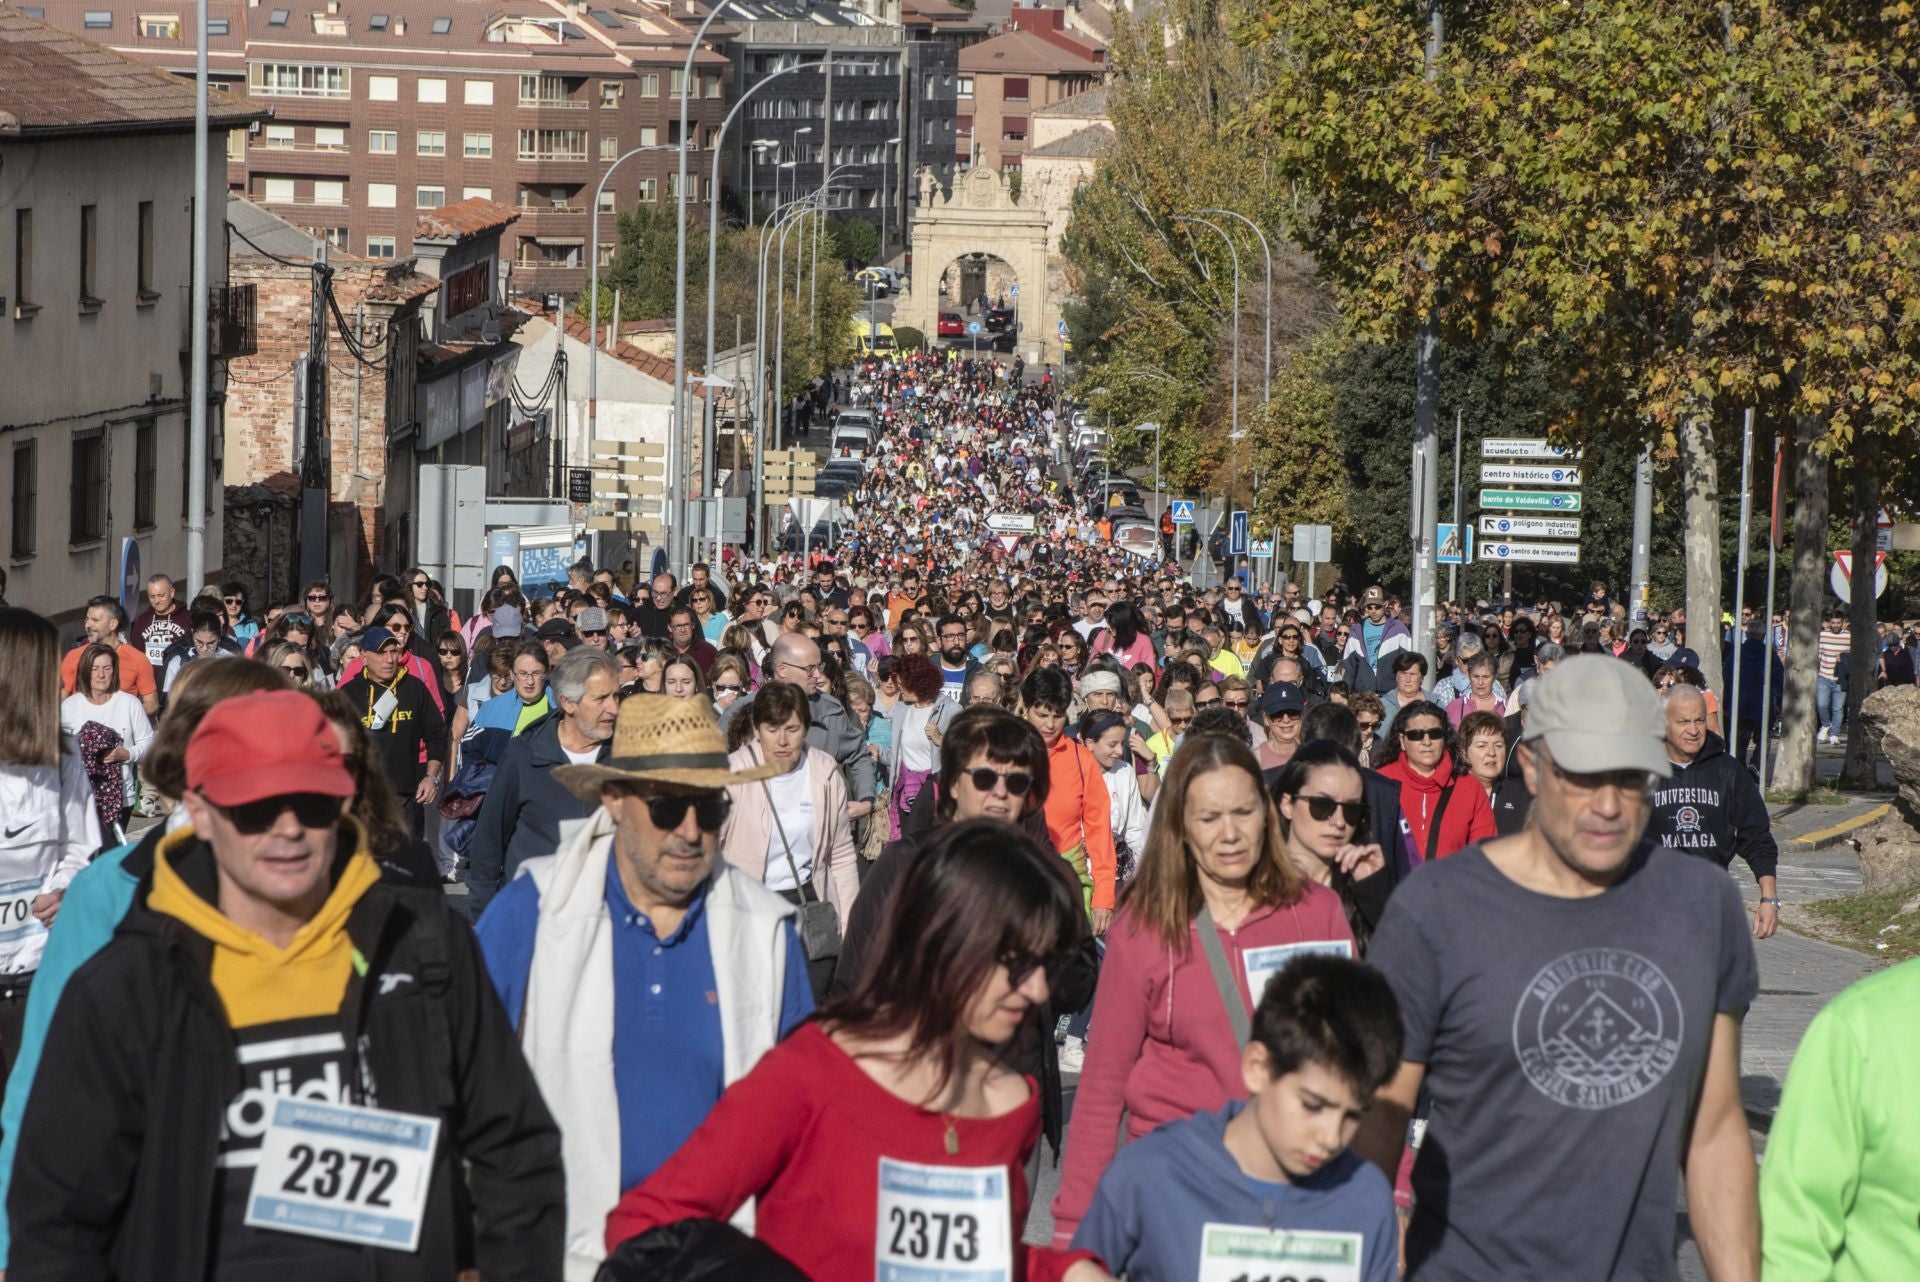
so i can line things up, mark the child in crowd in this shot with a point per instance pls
(1269, 1187)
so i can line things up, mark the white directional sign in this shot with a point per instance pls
(1523, 447)
(1011, 523)
(1529, 527)
(1562, 553)
(1527, 474)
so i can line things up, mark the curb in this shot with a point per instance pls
(1828, 837)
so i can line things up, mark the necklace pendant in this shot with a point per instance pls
(953, 1139)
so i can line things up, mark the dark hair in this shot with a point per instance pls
(1047, 688)
(202, 621)
(30, 682)
(1308, 758)
(1124, 622)
(111, 604)
(1222, 721)
(1475, 724)
(1004, 738)
(83, 671)
(778, 702)
(374, 806)
(917, 675)
(198, 687)
(1330, 723)
(1334, 1012)
(975, 892)
(1410, 659)
(1390, 750)
(232, 587)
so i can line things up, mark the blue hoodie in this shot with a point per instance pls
(1163, 1190)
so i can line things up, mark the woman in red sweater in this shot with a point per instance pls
(1420, 755)
(888, 1135)
(1164, 1045)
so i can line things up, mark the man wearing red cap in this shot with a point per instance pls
(282, 1063)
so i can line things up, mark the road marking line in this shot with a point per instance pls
(1840, 829)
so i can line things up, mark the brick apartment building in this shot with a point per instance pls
(384, 109)
(1033, 64)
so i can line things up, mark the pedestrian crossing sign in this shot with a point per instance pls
(1182, 510)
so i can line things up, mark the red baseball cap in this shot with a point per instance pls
(274, 744)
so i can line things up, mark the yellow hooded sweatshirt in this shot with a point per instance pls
(257, 982)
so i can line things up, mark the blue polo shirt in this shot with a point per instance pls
(669, 1065)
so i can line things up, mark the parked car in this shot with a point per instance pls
(873, 282)
(999, 318)
(951, 326)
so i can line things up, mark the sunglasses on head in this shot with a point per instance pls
(310, 809)
(1322, 808)
(670, 811)
(1018, 782)
(1417, 736)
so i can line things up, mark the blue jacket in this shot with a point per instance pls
(523, 813)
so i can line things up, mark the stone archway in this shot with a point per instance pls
(980, 216)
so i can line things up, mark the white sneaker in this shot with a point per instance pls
(1822, 736)
(1073, 1054)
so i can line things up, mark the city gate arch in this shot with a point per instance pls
(977, 220)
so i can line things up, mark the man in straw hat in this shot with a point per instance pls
(1572, 996)
(644, 973)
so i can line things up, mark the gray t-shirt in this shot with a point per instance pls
(1564, 1040)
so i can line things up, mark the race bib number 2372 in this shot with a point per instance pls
(344, 1172)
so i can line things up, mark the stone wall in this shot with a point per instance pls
(1890, 849)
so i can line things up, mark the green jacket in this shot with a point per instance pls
(1842, 1171)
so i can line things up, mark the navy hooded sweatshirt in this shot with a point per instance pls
(1712, 807)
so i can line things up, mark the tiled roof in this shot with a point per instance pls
(1082, 144)
(54, 83)
(1090, 105)
(1022, 52)
(655, 367)
(462, 219)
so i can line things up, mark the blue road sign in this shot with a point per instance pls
(1063, 329)
(1182, 510)
(1239, 533)
(1455, 545)
(1013, 291)
(973, 327)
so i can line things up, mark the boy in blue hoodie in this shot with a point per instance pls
(1268, 1187)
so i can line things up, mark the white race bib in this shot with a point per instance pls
(943, 1224)
(1242, 1253)
(16, 910)
(1264, 963)
(344, 1172)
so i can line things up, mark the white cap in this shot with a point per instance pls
(1598, 714)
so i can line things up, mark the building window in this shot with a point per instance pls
(479, 93)
(334, 236)
(160, 26)
(383, 142)
(431, 89)
(606, 257)
(219, 26)
(278, 17)
(146, 472)
(89, 255)
(649, 136)
(553, 144)
(143, 268)
(380, 247)
(329, 191)
(441, 26)
(649, 86)
(1014, 89)
(25, 483)
(325, 24)
(609, 93)
(98, 19)
(329, 138)
(277, 136)
(966, 86)
(432, 142)
(298, 80)
(236, 144)
(378, 22)
(675, 79)
(277, 191)
(383, 88)
(606, 202)
(649, 189)
(711, 85)
(547, 91)
(479, 146)
(1013, 129)
(429, 197)
(609, 147)
(476, 193)
(88, 504)
(382, 195)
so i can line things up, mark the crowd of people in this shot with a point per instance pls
(755, 926)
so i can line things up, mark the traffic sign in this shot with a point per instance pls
(1011, 523)
(1562, 553)
(1531, 500)
(1062, 329)
(1008, 542)
(1456, 545)
(1239, 534)
(1520, 447)
(1529, 527)
(1312, 543)
(1182, 510)
(1527, 474)
(1883, 532)
(1013, 290)
(1841, 575)
(973, 327)
(1262, 550)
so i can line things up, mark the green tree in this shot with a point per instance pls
(856, 241)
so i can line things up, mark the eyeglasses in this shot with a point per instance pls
(319, 596)
(233, 600)
(1238, 705)
(1021, 964)
(1018, 782)
(450, 652)
(590, 632)
(310, 810)
(811, 669)
(1206, 703)
(1420, 736)
(1180, 721)
(670, 811)
(1322, 808)
(295, 669)
(728, 687)
(1369, 724)
(419, 583)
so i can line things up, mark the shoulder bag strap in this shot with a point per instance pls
(1223, 977)
(798, 884)
(1439, 811)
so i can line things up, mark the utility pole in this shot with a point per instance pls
(1642, 572)
(1426, 423)
(315, 472)
(1460, 532)
(197, 380)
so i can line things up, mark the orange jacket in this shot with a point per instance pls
(1079, 811)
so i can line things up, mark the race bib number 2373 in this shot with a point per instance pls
(943, 1224)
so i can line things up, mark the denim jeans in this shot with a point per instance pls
(1830, 699)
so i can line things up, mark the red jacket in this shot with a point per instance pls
(1469, 816)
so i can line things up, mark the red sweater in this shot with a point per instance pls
(1162, 1048)
(1469, 816)
(804, 1133)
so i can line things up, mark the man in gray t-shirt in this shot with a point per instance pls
(1572, 997)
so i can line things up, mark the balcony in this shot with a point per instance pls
(232, 327)
(554, 104)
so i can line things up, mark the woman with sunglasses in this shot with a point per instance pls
(904, 1084)
(431, 618)
(1322, 809)
(711, 620)
(1214, 884)
(730, 680)
(290, 660)
(451, 664)
(1420, 754)
(241, 625)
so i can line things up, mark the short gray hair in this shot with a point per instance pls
(570, 676)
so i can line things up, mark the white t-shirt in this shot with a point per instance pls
(123, 714)
(792, 795)
(586, 758)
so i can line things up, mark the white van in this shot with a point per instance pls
(849, 441)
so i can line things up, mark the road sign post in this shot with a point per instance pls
(1239, 534)
(1182, 510)
(1455, 544)
(1525, 447)
(1532, 500)
(1555, 553)
(1312, 544)
(1528, 527)
(1528, 474)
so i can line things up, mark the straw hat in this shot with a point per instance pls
(661, 739)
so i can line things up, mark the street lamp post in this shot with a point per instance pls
(886, 192)
(753, 162)
(763, 437)
(779, 196)
(1158, 506)
(593, 294)
(1235, 254)
(1266, 250)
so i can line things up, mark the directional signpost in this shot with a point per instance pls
(1525, 447)
(1531, 500)
(624, 486)
(1528, 461)
(1528, 474)
(1011, 523)
(1559, 553)
(1312, 544)
(1529, 527)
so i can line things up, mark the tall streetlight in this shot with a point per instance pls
(763, 437)
(1158, 506)
(1235, 253)
(778, 197)
(593, 295)
(197, 380)
(759, 149)
(886, 190)
(1266, 393)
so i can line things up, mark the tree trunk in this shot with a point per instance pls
(1862, 618)
(1806, 602)
(1702, 481)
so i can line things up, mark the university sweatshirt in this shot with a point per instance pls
(1843, 1158)
(1154, 1203)
(1712, 807)
(1164, 1048)
(1469, 816)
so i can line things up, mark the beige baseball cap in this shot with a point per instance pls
(1598, 713)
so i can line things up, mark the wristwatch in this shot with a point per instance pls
(1765, 900)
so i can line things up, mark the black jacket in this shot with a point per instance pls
(115, 1173)
(415, 721)
(1713, 808)
(521, 816)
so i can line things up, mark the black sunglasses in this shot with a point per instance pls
(1322, 808)
(1417, 736)
(1018, 782)
(311, 809)
(450, 652)
(668, 812)
(1020, 964)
